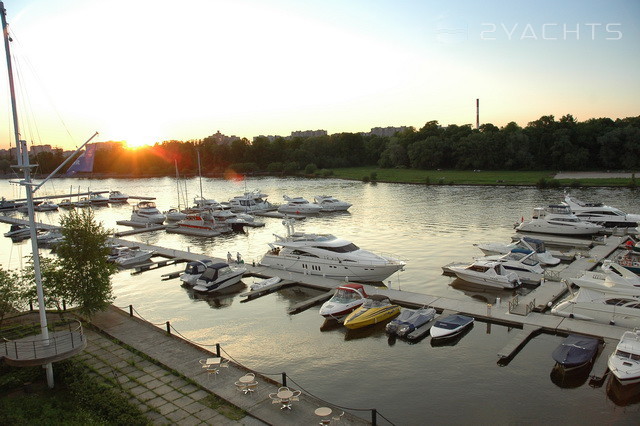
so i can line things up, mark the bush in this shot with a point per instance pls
(575, 184)
(310, 169)
(244, 167)
(427, 181)
(373, 176)
(365, 179)
(326, 173)
(276, 167)
(291, 168)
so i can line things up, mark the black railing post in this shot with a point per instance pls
(284, 379)
(31, 305)
(130, 310)
(64, 306)
(374, 417)
(168, 328)
(218, 349)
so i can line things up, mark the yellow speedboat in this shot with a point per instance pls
(376, 308)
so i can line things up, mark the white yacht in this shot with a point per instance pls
(521, 262)
(328, 203)
(542, 255)
(97, 199)
(193, 270)
(147, 212)
(218, 276)
(174, 215)
(346, 299)
(624, 363)
(298, 205)
(328, 256)
(486, 272)
(601, 214)
(117, 197)
(558, 219)
(128, 256)
(45, 206)
(199, 224)
(250, 202)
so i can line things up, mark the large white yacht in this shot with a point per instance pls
(624, 363)
(147, 212)
(328, 256)
(249, 202)
(331, 204)
(486, 272)
(601, 214)
(558, 219)
(612, 296)
(298, 205)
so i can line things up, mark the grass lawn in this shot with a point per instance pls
(469, 177)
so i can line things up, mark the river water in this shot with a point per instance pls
(409, 383)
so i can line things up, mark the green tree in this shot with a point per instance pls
(11, 293)
(86, 281)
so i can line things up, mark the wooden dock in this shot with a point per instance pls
(139, 230)
(519, 340)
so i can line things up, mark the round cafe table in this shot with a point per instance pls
(324, 412)
(285, 396)
(246, 379)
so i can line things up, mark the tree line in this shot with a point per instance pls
(544, 144)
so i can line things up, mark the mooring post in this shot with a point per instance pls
(31, 305)
(168, 328)
(64, 306)
(374, 417)
(284, 379)
(130, 310)
(218, 349)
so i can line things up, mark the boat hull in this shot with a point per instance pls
(365, 317)
(227, 282)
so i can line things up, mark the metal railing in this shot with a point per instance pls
(63, 338)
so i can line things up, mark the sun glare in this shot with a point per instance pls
(134, 144)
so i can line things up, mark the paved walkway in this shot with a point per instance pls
(175, 388)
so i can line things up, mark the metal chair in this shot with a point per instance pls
(296, 395)
(274, 398)
(240, 387)
(338, 418)
(212, 370)
(250, 387)
(224, 363)
(282, 388)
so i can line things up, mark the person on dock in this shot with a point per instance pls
(229, 257)
(239, 258)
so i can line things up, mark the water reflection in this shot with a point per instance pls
(219, 299)
(622, 395)
(570, 378)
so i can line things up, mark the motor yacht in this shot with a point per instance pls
(346, 299)
(218, 276)
(409, 320)
(521, 262)
(193, 270)
(601, 214)
(147, 212)
(612, 276)
(542, 255)
(298, 205)
(8, 205)
(200, 225)
(576, 351)
(129, 256)
(117, 197)
(486, 272)
(18, 232)
(250, 202)
(327, 256)
(450, 326)
(236, 221)
(624, 363)
(97, 199)
(174, 215)
(376, 308)
(328, 203)
(558, 219)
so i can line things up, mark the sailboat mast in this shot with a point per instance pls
(23, 162)
(175, 162)
(200, 174)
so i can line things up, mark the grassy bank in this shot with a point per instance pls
(469, 177)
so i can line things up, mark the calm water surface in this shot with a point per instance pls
(410, 383)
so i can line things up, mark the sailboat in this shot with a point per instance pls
(175, 214)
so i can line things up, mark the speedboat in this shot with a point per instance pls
(218, 276)
(237, 221)
(558, 219)
(250, 202)
(409, 320)
(486, 272)
(193, 270)
(8, 205)
(624, 363)
(265, 283)
(147, 212)
(50, 238)
(601, 214)
(46, 206)
(174, 215)
(328, 203)
(346, 299)
(18, 232)
(542, 255)
(128, 256)
(66, 204)
(521, 262)
(199, 224)
(298, 205)
(327, 256)
(117, 197)
(375, 309)
(98, 199)
(450, 326)
(576, 351)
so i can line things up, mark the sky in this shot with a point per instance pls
(146, 71)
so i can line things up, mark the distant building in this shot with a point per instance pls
(385, 131)
(222, 139)
(37, 149)
(308, 133)
(271, 138)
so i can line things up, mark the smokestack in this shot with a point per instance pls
(477, 113)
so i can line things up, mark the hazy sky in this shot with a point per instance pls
(153, 70)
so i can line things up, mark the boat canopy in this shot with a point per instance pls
(575, 350)
(197, 266)
(453, 321)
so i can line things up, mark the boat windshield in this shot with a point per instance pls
(342, 249)
(345, 296)
(629, 355)
(373, 303)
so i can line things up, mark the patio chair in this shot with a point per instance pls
(338, 418)
(224, 363)
(251, 387)
(240, 387)
(282, 388)
(274, 398)
(212, 370)
(296, 395)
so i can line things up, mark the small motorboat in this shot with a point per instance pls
(18, 232)
(66, 204)
(450, 326)
(193, 270)
(50, 238)
(298, 205)
(346, 299)
(375, 309)
(328, 203)
(46, 206)
(409, 320)
(624, 363)
(147, 212)
(218, 276)
(97, 199)
(117, 197)
(576, 351)
(174, 215)
(486, 272)
(265, 283)
(542, 255)
(129, 256)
